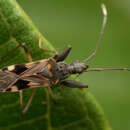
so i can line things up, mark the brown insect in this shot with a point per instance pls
(47, 72)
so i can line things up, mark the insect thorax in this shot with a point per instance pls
(54, 70)
(61, 70)
(64, 70)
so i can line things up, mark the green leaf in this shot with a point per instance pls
(76, 109)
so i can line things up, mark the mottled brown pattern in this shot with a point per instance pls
(6, 80)
(21, 76)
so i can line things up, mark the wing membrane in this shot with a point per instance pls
(27, 68)
(6, 80)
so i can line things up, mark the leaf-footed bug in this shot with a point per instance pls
(47, 72)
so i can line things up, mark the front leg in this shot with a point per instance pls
(73, 84)
(63, 54)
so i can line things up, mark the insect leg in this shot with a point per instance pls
(33, 91)
(21, 98)
(63, 54)
(52, 95)
(73, 84)
(104, 11)
(27, 52)
(29, 102)
(58, 57)
(45, 49)
(30, 60)
(11, 51)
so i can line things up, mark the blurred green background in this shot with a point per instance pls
(78, 23)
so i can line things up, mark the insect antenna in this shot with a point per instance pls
(104, 11)
(106, 69)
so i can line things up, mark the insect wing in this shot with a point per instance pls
(27, 68)
(6, 80)
(34, 67)
(37, 81)
(23, 76)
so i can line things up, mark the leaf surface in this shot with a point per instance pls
(76, 109)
